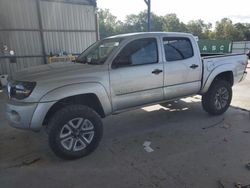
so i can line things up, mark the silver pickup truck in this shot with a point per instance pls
(114, 75)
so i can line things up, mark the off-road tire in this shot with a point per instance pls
(209, 98)
(65, 116)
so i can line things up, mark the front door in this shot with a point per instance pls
(136, 76)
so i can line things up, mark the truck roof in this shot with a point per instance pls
(177, 34)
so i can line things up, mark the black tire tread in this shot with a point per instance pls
(207, 102)
(65, 113)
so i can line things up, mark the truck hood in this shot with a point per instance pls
(55, 71)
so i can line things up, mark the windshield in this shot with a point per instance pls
(99, 51)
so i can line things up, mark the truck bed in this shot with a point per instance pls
(224, 62)
(215, 55)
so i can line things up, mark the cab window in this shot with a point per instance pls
(177, 48)
(138, 52)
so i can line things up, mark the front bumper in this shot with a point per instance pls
(27, 115)
(18, 114)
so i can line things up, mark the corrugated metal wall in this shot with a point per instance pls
(18, 22)
(241, 47)
(34, 28)
(20, 14)
(71, 42)
(71, 21)
(22, 42)
(64, 16)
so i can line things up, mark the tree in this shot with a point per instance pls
(199, 28)
(244, 30)
(108, 24)
(225, 30)
(138, 23)
(156, 22)
(172, 23)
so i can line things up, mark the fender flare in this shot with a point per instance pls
(214, 73)
(79, 89)
(51, 97)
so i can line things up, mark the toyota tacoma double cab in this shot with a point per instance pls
(114, 75)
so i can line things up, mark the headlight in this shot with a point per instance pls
(20, 90)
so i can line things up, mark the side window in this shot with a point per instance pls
(177, 48)
(137, 52)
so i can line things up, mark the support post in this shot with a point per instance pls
(41, 30)
(148, 3)
(97, 25)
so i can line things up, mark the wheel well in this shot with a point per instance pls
(89, 100)
(227, 76)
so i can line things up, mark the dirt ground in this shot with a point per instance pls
(191, 150)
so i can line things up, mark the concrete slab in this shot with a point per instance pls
(191, 149)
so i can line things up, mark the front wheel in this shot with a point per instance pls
(218, 98)
(74, 131)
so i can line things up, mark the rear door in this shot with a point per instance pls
(182, 67)
(136, 75)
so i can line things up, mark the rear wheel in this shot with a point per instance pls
(74, 131)
(218, 98)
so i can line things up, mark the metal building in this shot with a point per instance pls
(33, 29)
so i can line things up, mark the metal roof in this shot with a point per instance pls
(83, 2)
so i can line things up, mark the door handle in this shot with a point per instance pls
(156, 71)
(194, 66)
